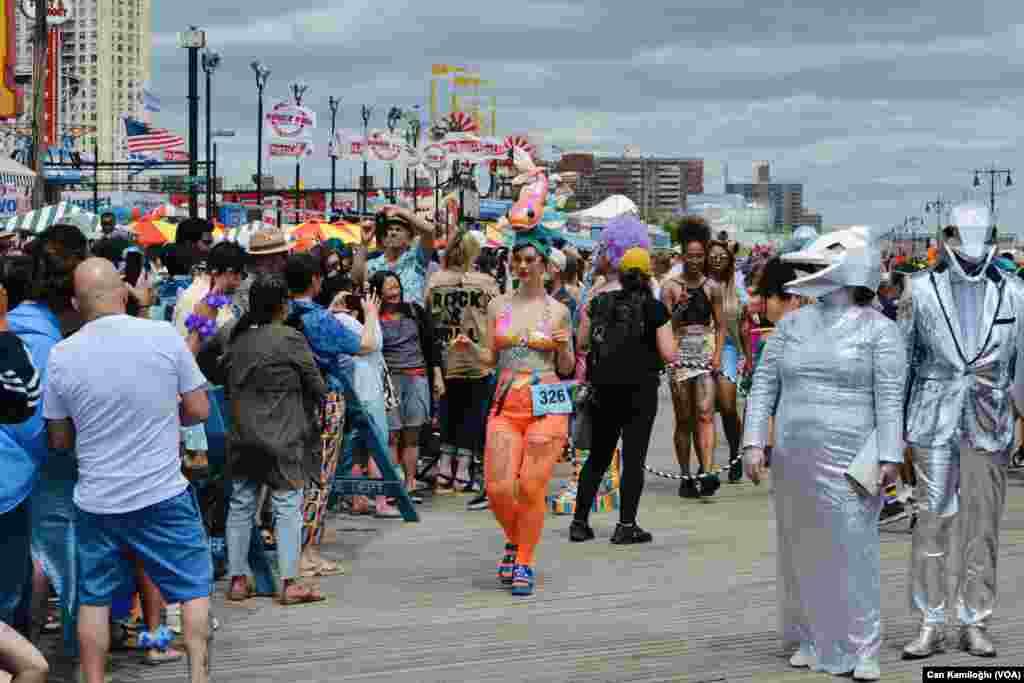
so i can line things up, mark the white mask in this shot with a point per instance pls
(844, 258)
(974, 223)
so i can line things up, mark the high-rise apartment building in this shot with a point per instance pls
(785, 200)
(655, 184)
(106, 47)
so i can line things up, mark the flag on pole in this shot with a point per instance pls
(142, 138)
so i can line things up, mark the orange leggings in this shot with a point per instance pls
(521, 452)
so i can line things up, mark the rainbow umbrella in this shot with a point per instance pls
(149, 232)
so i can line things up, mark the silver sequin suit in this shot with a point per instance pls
(964, 336)
(831, 373)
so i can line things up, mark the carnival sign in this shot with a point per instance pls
(57, 13)
(435, 156)
(292, 150)
(383, 147)
(290, 122)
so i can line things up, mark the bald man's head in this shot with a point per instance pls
(99, 289)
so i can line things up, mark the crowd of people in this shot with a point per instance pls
(459, 368)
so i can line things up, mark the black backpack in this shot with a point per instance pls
(618, 330)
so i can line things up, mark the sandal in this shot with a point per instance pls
(304, 596)
(235, 594)
(444, 486)
(156, 657)
(325, 568)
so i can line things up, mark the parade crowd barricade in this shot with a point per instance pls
(607, 499)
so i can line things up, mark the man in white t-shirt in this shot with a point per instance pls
(117, 391)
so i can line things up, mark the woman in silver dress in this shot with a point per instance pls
(833, 376)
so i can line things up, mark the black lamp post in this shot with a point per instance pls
(210, 63)
(298, 89)
(367, 113)
(334, 104)
(262, 74)
(940, 206)
(394, 116)
(412, 137)
(993, 174)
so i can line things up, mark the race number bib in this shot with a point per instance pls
(552, 399)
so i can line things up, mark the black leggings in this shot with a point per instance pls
(626, 411)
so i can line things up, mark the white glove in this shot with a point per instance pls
(753, 462)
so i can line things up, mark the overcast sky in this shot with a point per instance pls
(876, 110)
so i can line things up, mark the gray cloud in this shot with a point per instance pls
(877, 109)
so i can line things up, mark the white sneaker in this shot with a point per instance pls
(802, 658)
(867, 670)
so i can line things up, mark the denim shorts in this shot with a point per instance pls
(168, 537)
(413, 395)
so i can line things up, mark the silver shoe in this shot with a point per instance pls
(801, 659)
(930, 640)
(974, 640)
(867, 670)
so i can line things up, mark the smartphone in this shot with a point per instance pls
(353, 302)
(133, 262)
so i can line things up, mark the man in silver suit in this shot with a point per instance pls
(963, 322)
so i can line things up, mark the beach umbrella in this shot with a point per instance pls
(152, 232)
(39, 220)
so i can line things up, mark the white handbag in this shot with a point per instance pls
(865, 470)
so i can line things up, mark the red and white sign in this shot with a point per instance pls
(290, 122)
(57, 13)
(435, 156)
(293, 150)
(382, 147)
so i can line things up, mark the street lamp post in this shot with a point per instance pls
(298, 89)
(193, 40)
(334, 104)
(262, 74)
(412, 134)
(210, 63)
(394, 116)
(941, 207)
(993, 174)
(367, 113)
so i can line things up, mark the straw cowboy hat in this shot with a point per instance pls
(268, 240)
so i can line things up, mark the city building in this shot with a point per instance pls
(104, 63)
(785, 200)
(655, 184)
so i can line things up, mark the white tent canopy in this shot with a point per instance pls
(609, 208)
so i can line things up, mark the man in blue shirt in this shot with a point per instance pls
(24, 451)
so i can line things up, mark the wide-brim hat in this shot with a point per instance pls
(267, 241)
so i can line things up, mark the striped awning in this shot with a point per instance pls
(39, 220)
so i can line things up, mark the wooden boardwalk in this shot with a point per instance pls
(420, 602)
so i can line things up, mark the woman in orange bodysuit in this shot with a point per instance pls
(528, 339)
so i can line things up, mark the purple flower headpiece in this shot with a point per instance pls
(622, 234)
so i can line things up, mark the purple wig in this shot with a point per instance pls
(621, 234)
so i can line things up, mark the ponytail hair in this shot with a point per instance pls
(266, 296)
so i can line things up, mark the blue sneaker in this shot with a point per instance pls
(522, 580)
(507, 564)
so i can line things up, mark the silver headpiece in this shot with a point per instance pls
(844, 258)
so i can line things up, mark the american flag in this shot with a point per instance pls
(143, 138)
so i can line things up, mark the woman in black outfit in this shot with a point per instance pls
(630, 341)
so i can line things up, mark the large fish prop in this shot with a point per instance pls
(528, 211)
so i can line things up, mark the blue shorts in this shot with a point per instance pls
(168, 537)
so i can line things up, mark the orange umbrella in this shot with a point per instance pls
(153, 232)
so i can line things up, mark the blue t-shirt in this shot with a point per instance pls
(24, 447)
(412, 268)
(332, 343)
(118, 379)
